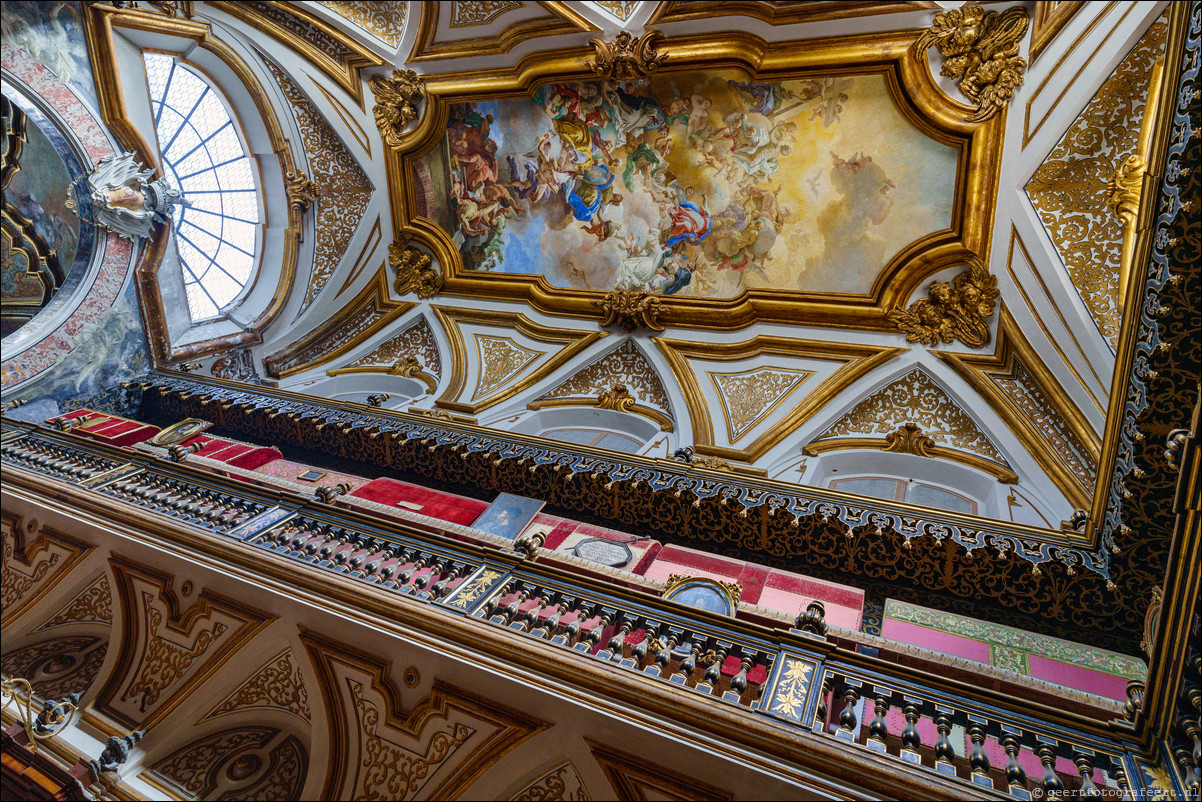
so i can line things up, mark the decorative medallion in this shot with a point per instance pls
(466, 13)
(94, 605)
(627, 58)
(345, 188)
(397, 99)
(383, 19)
(58, 667)
(499, 359)
(751, 395)
(415, 270)
(980, 50)
(278, 684)
(915, 398)
(1070, 190)
(955, 311)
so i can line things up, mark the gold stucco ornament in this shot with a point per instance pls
(415, 271)
(616, 398)
(630, 309)
(955, 311)
(397, 99)
(301, 190)
(626, 57)
(980, 50)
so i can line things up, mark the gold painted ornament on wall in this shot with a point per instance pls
(397, 99)
(955, 311)
(980, 50)
(415, 271)
(630, 309)
(301, 191)
(625, 57)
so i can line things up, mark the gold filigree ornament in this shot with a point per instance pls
(397, 99)
(415, 271)
(617, 398)
(909, 439)
(980, 49)
(53, 719)
(626, 57)
(955, 311)
(301, 191)
(410, 368)
(630, 309)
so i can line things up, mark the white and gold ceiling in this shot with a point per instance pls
(787, 355)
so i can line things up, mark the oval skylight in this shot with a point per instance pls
(203, 156)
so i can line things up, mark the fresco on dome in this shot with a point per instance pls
(52, 34)
(695, 184)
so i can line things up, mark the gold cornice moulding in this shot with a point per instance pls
(950, 312)
(397, 101)
(980, 50)
(415, 270)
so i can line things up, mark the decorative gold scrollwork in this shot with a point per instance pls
(980, 49)
(1123, 189)
(409, 367)
(53, 719)
(909, 439)
(173, 8)
(415, 271)
(955, 311)
(617, 398)
(626, 57)
(713, 464)
(397, 99)
(301, 191)
(630, 309)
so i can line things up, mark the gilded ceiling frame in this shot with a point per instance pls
(573, 341)
(99, 23)
(856, 359)
(1013, 348)
(892, 55)
(784, 14)
(561, 19)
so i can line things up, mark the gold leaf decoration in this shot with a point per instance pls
(467, 13)
(909, 439)
(415, 342)
(1070, 189)
(415, 270)
(345, 188)
(300, 190)
(626, 57)
(397, 99)
(617, 398)
(625, 365)
(383, 19)
(955, 311)
(630, 309)
(980, 50)
(751, 395)
(501, 359)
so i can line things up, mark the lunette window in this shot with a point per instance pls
(216, 227)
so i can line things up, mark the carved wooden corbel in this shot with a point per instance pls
(397, 99)
(955, 311)
(980, 50)
(626, 57)
(415, 271)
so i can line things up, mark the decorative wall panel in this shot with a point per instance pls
(278, 685)
(749, 396)
(625, 365)
(93, 605)
(417, 340)
(236, 764)
(383, 19)
(58, 667)
(560, 783)
(35, 560)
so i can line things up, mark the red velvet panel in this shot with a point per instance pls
(435, 503)
(116, 431)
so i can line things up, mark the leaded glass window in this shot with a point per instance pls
(203, 156)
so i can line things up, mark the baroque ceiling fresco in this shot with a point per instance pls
(756, 244)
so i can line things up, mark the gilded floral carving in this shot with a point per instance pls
(345, 188)
(1070, 189)
(237, 365)
(416, 341)
(955, 311)
(466, 13)
(627, 58)
(278, 684)
(350, 329)
(415, 271)
(384, 19)
(751, 395)
(94, 605)
(560, 783)
(630, 309)
(980, 50)
(915, 398)
(622, 9)
(500, 359)
(625, 365)
(909, 439)
(301, 191)
(792, 690)
(397, 99)
(617, 398)
(164, 663)
(475, 588)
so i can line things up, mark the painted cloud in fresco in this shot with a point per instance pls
(695, 184)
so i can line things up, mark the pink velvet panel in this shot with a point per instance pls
(435, 503)
(1083, 679)
(936, 641)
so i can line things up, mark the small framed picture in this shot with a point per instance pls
(311, 475)
(508, 515)
(704, 594)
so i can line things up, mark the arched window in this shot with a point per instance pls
(216, 228)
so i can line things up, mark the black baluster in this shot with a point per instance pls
(847, 718)
(945, 754)
(878, 730)
(1016, 776)
(823, 708)
(614, 650)
(688, 666)
(638, 651)
(978, 760)
(712, 680)
(1084, 759)
(911, 738)
(1046, 750)
(738, 683)
(663, 660)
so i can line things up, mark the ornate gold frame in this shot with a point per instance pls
(784, 13)
(857, 360)
(561, 19)
(99, 21)
(892, 55)
(574, 341)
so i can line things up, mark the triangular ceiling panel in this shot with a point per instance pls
(634, 778)
(344, 187)
(467, 28)
(1069, 190)
(498, 354)
(625, 366)
(382, 19)
(753, 384)
(278, 684)
(415, 341)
